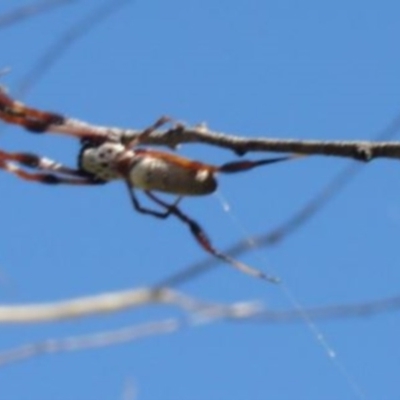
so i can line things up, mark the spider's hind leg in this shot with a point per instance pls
(245, 165)
(201, 237)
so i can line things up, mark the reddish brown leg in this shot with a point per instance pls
(34, 161)
(34, 120)
(205, 243)
(31, 119)
(40, 177)
(148, 131)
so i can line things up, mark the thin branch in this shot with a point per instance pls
(96, 340)
(364, 309)
(201, 311)
(253, 311)
(92, 305)
(358, 150)
(21, 13)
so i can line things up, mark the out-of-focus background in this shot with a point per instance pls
(310, 69)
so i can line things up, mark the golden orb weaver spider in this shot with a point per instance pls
(107, 156)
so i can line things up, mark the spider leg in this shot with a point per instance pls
(42, 163)
(17, 113)
(46, 178)
(38, 121)
(139, 208)
(148, 131)
(201, 237)
(245, 165)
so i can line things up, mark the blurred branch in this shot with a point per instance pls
(202, 310)
(100, 339)
(66, 40)
(21, 13)
(364, 309)
(201, 313)
(91, 305)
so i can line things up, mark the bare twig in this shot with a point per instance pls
(359, 150)
(92, 305)
(364, 309)
(100, 339)
(135, 298)
(20, 14)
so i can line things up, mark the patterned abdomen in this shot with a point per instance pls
(166, 175)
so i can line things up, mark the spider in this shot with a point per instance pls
(106, 156)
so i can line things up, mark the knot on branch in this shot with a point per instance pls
(364, 152)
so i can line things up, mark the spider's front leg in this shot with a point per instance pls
(143, 136)
(38, 121)
(35, 161)
(54, 173)
(14, 112)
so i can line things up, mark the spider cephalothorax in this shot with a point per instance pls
(98, 160)
(105, 156)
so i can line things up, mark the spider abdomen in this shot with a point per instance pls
(170, 175)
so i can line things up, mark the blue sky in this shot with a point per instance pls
(310, 69)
